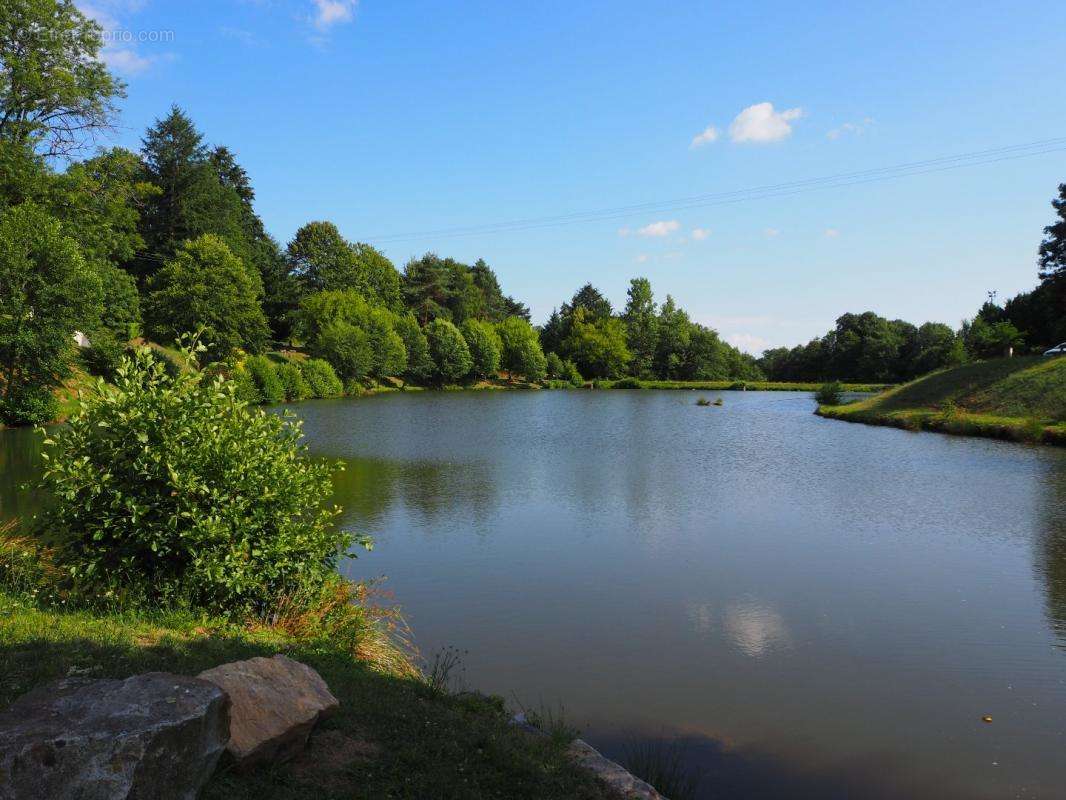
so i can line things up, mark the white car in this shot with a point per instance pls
(1057, 350)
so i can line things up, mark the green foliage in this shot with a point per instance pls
(597, 345)
(641, 327)
(46, 293)
(55, 92)
(171, 489)
(435, 287)
(829, 393)
(990, 340)
(293, 383)
(321, 378)
(628, 383)
(521, 351)
(104, 355)
(121, 314)
(420, 364)
(553, 366)
(323, 260)
(447, 348)
(264, 376)
(29, 404)
(484, 345)
(205, 287)
(571, 373)
(347, 348)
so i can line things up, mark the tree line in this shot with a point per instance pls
(166, 241)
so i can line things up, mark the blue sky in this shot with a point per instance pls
(396, 118)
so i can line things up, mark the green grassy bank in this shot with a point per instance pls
(396, 735)
(1022, 399)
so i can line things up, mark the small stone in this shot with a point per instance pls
(275, 703)
(132, 739)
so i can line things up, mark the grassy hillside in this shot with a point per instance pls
(1011, 398)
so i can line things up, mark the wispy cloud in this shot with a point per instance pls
(699, 234)
(707, 136)
(661, 228)
(771, 233)
(832, 233)
(120, 51)
(849, 128)
(761, 124)
(328, 13)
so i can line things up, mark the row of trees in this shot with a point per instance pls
(866, 347)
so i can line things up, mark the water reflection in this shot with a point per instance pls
(755, 628)
(1050, 552)
(369, 489)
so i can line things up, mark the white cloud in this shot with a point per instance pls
(748, 342)
(641, 258)
(699, 234)
(761, 124)
(333, 12)
(125, 61)
(770, 233)
(854, 128)
(661, 228)
(707, 136)
(832, 233)
(117, 52)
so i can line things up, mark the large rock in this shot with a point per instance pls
(275, 704)
(155, 736)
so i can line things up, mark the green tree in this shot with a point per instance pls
(674, 330)
(553, 366)
(521, 352)
(1053, 261)
(321, 378)
(641, 330)
(204, 286)
(484, 345)
(55, 92)
(420, 366)
(47, 291)
(347, 349)
(448, 349)
(597, 345)
(170, 489)
(990, 340)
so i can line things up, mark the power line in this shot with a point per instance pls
(840, 180)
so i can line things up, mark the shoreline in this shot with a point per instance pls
(985, 426)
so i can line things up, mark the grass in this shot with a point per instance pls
(395, 735)
(1022, 399)
(661, 763)
(398, 733)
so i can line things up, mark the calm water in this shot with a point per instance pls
(815, 609)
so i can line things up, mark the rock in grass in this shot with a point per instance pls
(155, 736)
(275, 703)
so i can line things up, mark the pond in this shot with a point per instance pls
(808, 608)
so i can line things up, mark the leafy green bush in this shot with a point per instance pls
(170, 489)
(570, 372)
(104, 355)
(293, 382)
(30, 404)
(628, 383)
(448, 349)
(347, 349)
(521, 351)
(321, 378)
(484, 345)
(419, 362)
(829, 393)
(554, 366)
(268, 386)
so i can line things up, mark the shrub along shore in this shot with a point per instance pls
(1019, 399)
(189, 528)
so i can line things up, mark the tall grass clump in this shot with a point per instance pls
(170, 489)
(829, 393)
(661, 763)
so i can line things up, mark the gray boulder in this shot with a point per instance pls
(276, 702)
(155, 736)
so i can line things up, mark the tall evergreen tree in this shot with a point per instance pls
(1053, 259)
(641, 329)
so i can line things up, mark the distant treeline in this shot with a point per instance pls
(166, 241)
